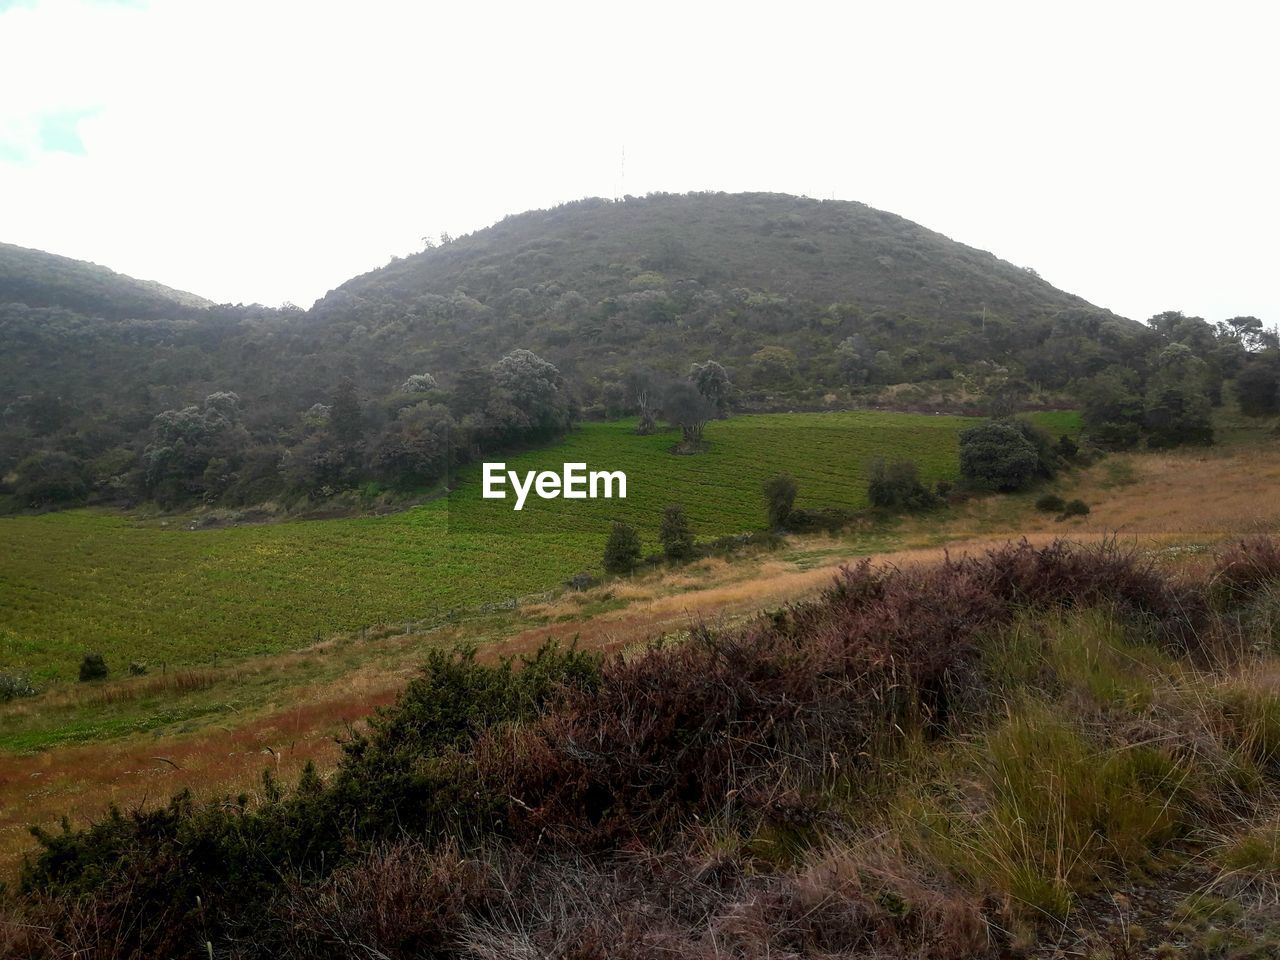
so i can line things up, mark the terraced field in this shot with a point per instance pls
(90, 580)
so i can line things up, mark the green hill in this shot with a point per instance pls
(808, 304)
(40, 279)
(592, 285)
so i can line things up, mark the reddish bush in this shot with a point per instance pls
(1245, 568)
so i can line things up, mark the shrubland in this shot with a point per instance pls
(929, 761)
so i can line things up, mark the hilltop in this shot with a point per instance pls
(595, 283)
(40, 279)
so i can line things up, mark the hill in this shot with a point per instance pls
(592, 285)
(40, 279)
(116, 391)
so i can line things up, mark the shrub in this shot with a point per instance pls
(1066, 448)
(93, 667)
(1050, 503)
(676, 533)
(996, 456)
(13, 686)
(1245, 569)
(1074, 508)
(137, 668)
(897, 486)
(779, 497)
(622, 549)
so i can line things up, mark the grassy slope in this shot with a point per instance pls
(86, 580)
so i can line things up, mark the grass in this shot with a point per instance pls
(97, 581)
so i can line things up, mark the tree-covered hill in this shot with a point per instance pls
(593, 284)
(40, 279)
(116, 389)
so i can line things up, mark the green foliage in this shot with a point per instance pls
(1075, 508)
(1178, 408)
(676, 533)
(1258, 388)
(897, 486)
(622, 549)
(13, 686)
(1050, 503)
(1113, 411)
(93, 667)
(779, 499)
(997, 455)
(150, 591)
(50, 477)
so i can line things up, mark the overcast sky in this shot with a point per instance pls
(259, 150)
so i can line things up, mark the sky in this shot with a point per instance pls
(267, 150)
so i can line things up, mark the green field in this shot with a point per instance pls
(93, 580)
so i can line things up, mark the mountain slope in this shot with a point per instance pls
(591, 284)
(40, 279)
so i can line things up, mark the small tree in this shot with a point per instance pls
(1258, 389)
(676, 533)
(93, 667)
(779, 499)
(996, 456)
(689, 410)
(622, 549)
(897, 486)
(712, 381)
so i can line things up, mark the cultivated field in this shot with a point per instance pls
(162, 593)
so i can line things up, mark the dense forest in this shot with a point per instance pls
(672, 307)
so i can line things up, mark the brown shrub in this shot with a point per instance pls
(1244, 569)
(398, 901)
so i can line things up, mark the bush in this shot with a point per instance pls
(1050, 503)
(622, 549)
(93, 667)
(997, 456)
(137, 668)
(897, 486)
(1066, 448)
(1074, 508)
(676, 533)
(1245, 569)
(779, 497)
(13, 686)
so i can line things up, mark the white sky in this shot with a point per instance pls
(259, 150)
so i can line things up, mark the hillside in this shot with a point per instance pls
(40, 279)
(592, 284)
(806, 304)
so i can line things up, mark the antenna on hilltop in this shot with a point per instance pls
(622, 173)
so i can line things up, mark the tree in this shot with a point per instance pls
(1177, 403)
(996, 456)
(897, 486)
(853, 357)
(712, 381)
(50, 477)
(1258, 388)
(779, 499)
(416, 447)
(185, 442)
(1113, 411)
(622, 549)
(419, 383)
(529, 400)
(686, 408)
(346, 418)
(676, 533)
(640, 387)
(774, 366)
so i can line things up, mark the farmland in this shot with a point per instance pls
(159, 592)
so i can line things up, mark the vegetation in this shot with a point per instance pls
(622, 550)
(945, 757)
(117, 391)
(160, 592)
